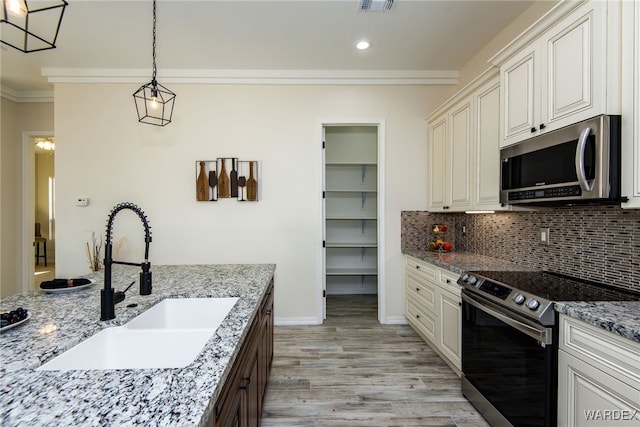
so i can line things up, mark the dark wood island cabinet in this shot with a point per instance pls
(240, 401)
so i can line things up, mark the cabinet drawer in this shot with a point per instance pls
(448, 280)
(615, 355)
(421, 268)
(422, 292)
(420, 320)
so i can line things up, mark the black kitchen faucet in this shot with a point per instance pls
(107, 300)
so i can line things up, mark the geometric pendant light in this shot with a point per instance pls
(31, 25)
(154, 102)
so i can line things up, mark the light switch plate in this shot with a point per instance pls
(544, 236)
(82, 201)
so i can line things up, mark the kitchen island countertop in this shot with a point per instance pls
(145, 397)
(621, 318)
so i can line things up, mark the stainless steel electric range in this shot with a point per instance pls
(509, 341)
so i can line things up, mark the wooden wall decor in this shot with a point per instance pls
(227, 178)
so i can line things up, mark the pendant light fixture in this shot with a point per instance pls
(154, 102)
(31, 25)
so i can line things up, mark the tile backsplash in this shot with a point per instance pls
(594, 243)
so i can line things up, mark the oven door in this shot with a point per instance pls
(508, 365)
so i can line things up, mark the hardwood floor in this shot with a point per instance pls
(352, 371)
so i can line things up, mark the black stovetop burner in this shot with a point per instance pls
(558, 287)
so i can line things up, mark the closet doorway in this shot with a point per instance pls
(352, 220)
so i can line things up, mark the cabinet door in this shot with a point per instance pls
(631, 105)
(487, 147)
(589, 397)
(459, 163)
(450, 326)
(575, 67)
(438, 136)
(519, 95)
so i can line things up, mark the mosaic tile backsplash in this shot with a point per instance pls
(593, 243)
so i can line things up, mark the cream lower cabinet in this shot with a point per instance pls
(598, 377)
(433, 308)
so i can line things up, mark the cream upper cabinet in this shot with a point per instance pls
(449, 159)
(438, 146)
(464, 151)
(487, 147)
(460, 156)
(631, 104)
(518, 99)
(563, 75)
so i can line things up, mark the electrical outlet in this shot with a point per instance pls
(544, 236)
(82, 201)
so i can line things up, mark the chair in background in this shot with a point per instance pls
(40, 239)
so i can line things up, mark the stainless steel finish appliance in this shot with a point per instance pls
(573, 165)
(509, 341)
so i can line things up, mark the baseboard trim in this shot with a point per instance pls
(297, 321)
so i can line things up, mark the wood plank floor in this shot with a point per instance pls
(352, 371)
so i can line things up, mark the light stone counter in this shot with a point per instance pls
(146, 397)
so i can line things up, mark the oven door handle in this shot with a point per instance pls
(542, 335)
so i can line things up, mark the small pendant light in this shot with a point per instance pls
(154, 102)
(31, 28)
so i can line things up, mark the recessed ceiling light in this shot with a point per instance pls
(362, 45)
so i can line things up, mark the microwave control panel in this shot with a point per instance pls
(546, 193)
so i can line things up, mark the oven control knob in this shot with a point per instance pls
(533, 304)
(464, 277)
(519, 299)
(472, 280)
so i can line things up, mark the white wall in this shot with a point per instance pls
(103, 153)
(16, 119)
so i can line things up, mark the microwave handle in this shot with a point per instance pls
(582, 144)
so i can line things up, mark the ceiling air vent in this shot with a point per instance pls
(376, 5)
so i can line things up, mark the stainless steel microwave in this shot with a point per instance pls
(577, 164)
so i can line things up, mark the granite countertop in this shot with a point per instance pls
(463, 261)
(145, 397)
(619, 317)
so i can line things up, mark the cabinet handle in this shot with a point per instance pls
(460, 303)
(448, 280)
(244, 386)
(533, 129)
(542, 126)
(417, 316)
(417, 289)
(418, 267)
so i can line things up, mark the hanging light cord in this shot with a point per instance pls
(153, 78)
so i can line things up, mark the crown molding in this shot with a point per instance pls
(271, 77)
(535, 30)
(26, 96)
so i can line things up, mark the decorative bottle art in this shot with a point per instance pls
(227, 178)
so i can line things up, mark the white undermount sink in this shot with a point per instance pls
(170, 334)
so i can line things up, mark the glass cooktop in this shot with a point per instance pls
(557, 287)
